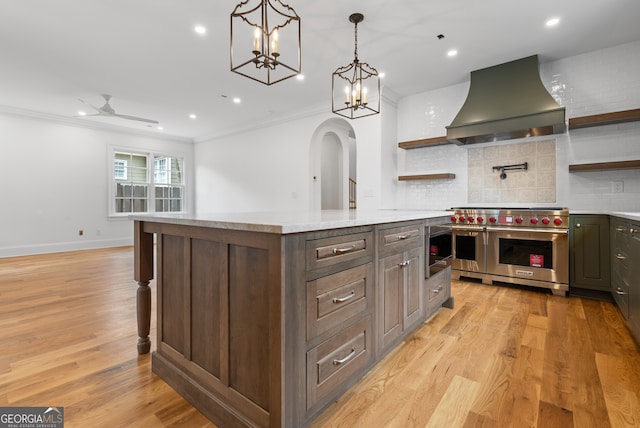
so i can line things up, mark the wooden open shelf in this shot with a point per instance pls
(443, 176)
(605, 119)
(605, 166)
(427, 142)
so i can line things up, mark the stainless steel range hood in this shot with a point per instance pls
(507, 101)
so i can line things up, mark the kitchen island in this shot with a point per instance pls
(265, 318)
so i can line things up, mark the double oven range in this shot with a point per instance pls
(512, 245)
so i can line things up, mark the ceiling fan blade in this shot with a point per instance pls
(141, 119)
(90, 105)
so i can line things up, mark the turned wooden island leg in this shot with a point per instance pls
(143, 274)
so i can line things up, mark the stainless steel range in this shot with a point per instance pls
(513, 245)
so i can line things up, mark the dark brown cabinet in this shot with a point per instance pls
(589, 252)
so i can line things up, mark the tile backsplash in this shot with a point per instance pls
(595, 82)
(535, 185)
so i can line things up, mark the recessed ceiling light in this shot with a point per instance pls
(82, 113)
(300, 77)
(160, 128)
(237, 100)
(452, 52)
(552, 22)
(200, 30)
(381, 74)
(193, 116)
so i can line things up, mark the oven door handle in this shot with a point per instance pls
(528, 230)
(469, 229)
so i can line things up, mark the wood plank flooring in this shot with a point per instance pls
(503, 357)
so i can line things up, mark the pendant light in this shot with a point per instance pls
(265, 41)
(356, 87)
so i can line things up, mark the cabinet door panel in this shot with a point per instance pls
(391, 280)
(413, 287)
(590, 267)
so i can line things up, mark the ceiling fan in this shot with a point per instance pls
(108, 111)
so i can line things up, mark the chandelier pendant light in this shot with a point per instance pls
(356, 87)
(265, 41)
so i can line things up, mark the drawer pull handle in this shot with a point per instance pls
(401, 237)
(343, 250)
(620, 257)
(345, 359)
(344, 299)
(620, 292)
(438, 290)
(404, 263)
(633, 231)
(620, 229)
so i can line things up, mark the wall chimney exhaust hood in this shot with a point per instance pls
(507, 101)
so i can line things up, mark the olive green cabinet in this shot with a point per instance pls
(589, 252)
(625, 270)
(634, 281)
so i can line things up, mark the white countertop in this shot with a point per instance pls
(292, 221)
(628, 215)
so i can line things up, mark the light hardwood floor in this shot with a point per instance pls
(504, 357)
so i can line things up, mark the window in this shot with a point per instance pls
(167, 180)
(136, 190)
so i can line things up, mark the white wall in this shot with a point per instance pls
(596, 82)
(272, 168)
(55, 182)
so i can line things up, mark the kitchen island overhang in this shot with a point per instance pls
(264, 318)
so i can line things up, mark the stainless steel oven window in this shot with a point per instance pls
(525, 252)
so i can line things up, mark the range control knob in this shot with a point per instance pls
(493, 219)
(519, 220)
(534, 220)
(546, 220)
(461, 219)
(557, 221)
(480, 219)
(453, 219)
(470, 219)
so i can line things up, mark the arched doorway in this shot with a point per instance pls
(333, 163)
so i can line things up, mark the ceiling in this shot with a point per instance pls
(147, 56)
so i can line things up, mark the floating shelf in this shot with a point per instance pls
(427, 142)
(605, 166)
(605, 119)
(443, 176)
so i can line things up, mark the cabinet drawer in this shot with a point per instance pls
(337, 249)
(620, 292)
(402, 237)
(334, 362)
(620, 266)
(438, 288)
(334, 299)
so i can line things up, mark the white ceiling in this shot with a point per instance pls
(146, 54)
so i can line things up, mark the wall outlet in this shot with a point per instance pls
(617, 186)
